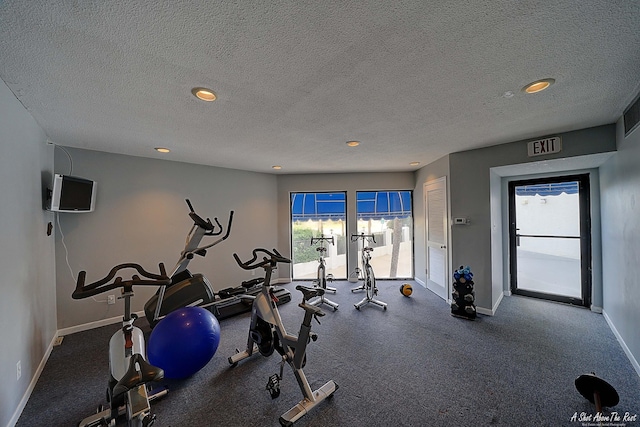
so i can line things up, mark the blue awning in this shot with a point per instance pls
(551, 189)
(318, 206)
(332, 206)
(383, 204)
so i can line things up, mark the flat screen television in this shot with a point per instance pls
(72, 194)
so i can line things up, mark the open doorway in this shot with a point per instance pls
(550, 238)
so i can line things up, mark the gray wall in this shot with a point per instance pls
(350, 182)
(141, 217)
(27, 304)
(471, 189)
(620, 193)
(471, 197)
(500, 235)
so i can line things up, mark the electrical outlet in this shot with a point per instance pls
(18, 370)
(111, 299)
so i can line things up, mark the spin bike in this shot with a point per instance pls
(322, 277)
(187, 289)
(267, 333)
(127, 392)
(368, 278)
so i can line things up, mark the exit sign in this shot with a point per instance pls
(544, 146)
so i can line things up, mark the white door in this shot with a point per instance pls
(436, 236)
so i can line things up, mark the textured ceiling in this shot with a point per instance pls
(411, 80)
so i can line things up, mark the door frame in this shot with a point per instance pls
(585, 238)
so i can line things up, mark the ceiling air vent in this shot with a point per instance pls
(632, 117)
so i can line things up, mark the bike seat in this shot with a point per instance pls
(132, 378)
(309, 293)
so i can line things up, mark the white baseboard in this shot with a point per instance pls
(60, 333)
(420, 282)
(492, 311)
(93, 325)
(495, 306)
(32, 384)
(626, 350)
(485, 311)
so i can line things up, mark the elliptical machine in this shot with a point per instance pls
(187, 289)
(267, 333)
(130, 372)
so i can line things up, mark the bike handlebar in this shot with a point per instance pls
(207, 225)
(103, 285)
(272, 259)
(228, 226)
(363, 236)
(320, 239)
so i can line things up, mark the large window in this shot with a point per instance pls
(317, 215)
(388, 217)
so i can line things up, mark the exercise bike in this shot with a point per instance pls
(267, 333)
(368, 278)
(130, 373)
(187, 289)
(322, 277)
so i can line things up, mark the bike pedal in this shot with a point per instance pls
(149, 420)
(273, 386)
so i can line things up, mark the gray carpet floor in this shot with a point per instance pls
(411, 365)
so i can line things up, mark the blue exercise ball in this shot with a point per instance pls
(184, 342)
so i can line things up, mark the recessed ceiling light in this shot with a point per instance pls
(276, 167)
(162, 150)
(414, 163)
(353, 143)
(538, 85)
(204, 94)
